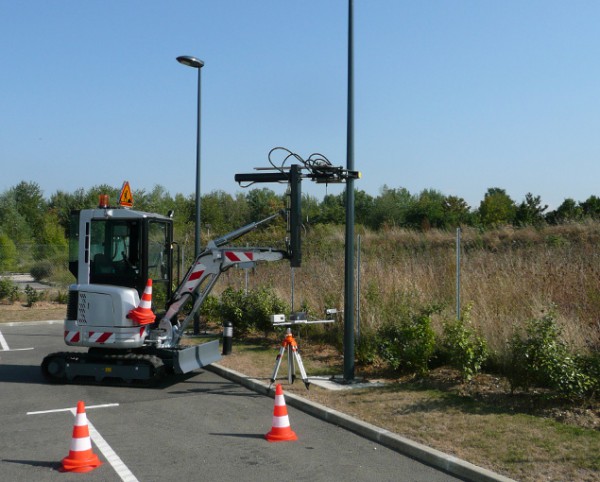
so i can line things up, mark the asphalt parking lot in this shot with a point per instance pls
(198, 427)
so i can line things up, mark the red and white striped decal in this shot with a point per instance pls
(192, 281)
(239, 256)
(72, 336)
(101, 337)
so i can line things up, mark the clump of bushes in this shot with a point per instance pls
(210, 308)
(8, 290)
(52, 271)
(33, 296)
(366, 351)
(537, 355)
(250, 310)
(591, 366)
(42, 270)
(62, 297)
(464, 347)
(541, 357)
(408, 343)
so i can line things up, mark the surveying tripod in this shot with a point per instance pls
(289, 344)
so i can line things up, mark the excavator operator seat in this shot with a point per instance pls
(101, 265)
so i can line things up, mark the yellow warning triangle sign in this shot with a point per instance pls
(126, 198)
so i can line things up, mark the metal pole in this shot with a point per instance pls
(196, 64)
(349, 251)
(458, 273)
(197, 242)
(358, 241)
(292, 287)
(291, 368)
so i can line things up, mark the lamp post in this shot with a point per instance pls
(197, 64)
(349, 248)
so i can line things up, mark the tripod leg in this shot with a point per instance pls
(291, 368)
(301, 367)
(277, 364)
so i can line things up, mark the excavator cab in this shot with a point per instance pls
(122, 247)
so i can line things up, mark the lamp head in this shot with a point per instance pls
(190, 61)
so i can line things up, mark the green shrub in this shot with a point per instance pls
(250, 310)
(62, 297)
(32, 295)
(590, 365)
(210, 308)
(42, 270)
(465, 348)
(261, 303)
(8, 290)
(540, 357)
(231, 309)
(366, 348)
(408, 343)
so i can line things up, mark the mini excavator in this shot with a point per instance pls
(115, 254)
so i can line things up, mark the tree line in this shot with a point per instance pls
(28, 218)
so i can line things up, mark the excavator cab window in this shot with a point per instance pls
(159, 260)
(115, 248)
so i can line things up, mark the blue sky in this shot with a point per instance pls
(456, 96)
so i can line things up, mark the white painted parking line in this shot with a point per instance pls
(109, 454)
(5, 346)
(90, 407)
(3, 343)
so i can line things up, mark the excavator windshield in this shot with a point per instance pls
(115, 249)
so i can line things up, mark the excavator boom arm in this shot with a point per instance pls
(208, 266)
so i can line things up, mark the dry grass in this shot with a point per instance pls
(43, 310)
(508, 277)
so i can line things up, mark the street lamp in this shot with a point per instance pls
(197, 64)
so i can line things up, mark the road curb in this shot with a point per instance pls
(420, 452)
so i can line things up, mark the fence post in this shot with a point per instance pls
(458, 273)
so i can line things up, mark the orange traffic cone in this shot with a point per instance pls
(143, 314)
(281, 431)
(80, 458)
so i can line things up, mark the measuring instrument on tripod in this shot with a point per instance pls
(289, 346)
